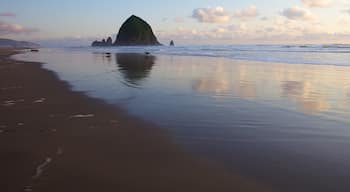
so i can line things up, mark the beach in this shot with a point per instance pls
(86, 119)
(54, 139)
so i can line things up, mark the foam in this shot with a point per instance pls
(83, 116)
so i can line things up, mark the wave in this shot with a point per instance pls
(329, 54)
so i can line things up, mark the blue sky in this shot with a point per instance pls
(186, 21)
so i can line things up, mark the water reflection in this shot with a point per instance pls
(211, 85)
(292, 88)
(135, 67)
(307, 100)
(245, 89)
(309, 89)
(104, 57)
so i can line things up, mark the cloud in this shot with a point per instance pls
(293, 25)
(179, 20)
(9, 28)
(248, 12)
(211, 15)
(7, 14)
(297, 13)
(229, 32)
(317, 3)
(264, 18)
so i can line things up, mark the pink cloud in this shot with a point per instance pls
(10, 28)
(317, 3)
(249, 12)
(179, 20)
(297, 13)
(211, 15)
(7, 14)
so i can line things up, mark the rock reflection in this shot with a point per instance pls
(135, 67)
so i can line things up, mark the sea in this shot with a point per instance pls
(278, 114)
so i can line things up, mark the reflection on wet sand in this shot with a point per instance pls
(307, 100)
(306, 88)
(245, 89)
(244, 86)
(211, 85)
(223, 82)
(104, 57)
(135, 67)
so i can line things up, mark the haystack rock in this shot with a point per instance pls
(135, 31)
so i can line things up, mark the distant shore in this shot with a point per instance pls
(54, 139)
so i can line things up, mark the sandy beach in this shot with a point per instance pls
(54, 139)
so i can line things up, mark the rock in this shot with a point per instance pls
(172, 43)
(98, 44)
(95, 43)
(135, 31)
(102, 43)
(109, 41)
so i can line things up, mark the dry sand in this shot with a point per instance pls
(54, 139)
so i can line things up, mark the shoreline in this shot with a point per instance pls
(55, 139)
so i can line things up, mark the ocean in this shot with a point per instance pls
(277, 113)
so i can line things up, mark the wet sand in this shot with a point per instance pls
(54, 139)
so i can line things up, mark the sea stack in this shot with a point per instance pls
(103, 43)
(109, 41)
(135, 31)
(172, 43)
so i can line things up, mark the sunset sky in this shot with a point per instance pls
(78, 22)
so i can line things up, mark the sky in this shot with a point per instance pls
(187, 22)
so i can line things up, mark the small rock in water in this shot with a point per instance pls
(108, 55)
(147, 53)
